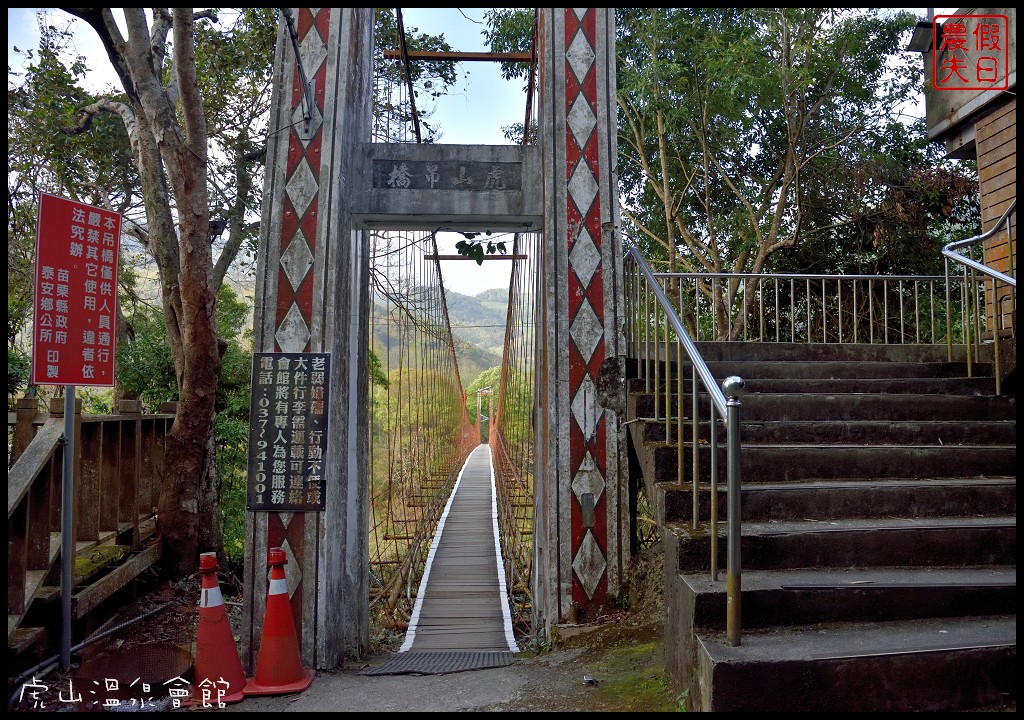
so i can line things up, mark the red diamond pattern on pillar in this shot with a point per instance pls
(286, 530)
(586, 306)
(302, 187)
(295, 277)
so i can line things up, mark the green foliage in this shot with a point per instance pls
(231, 424)
(19, 367)
(487, 379)
(430, 80)
(145, 369)
(378, 378)
(235, 54)
(756, 139)
(682, 701)
(479, 320)
(96, 400)
(42, 156)
(477, 249)
(510, 30)
(19, 362)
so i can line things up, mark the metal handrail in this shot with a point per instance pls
(949, 249)
(949, 253)
(726, 402)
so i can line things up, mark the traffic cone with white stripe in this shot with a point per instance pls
(219, 677)
(278, 668)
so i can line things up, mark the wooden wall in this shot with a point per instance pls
(996, 135)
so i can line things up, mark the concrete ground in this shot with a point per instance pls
(610, 666)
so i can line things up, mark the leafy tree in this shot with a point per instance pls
(164, 112)
(43, 157)
(18, 369)
(147, 371)
(757, 139)
(510, 30)
(781, 131)
(489, 378)
(392, 106)
(185, 139)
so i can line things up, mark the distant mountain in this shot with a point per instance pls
(478, 326)
(479, 319)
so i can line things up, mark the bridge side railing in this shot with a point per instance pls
(420, 433)
(118, 469)
(821, 308)
(511, 436)
(653, 330)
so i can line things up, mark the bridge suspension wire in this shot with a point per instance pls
(420, 433)
(511, 434)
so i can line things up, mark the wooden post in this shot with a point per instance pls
(110, 451)
(87, 487)
(24, 428)
(128, 467)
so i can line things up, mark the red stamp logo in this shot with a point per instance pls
(970, 52)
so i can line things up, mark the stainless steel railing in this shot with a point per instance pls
(996, 279)
(653, 329)
(812, 308)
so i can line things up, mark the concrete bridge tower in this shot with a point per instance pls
(323, 192)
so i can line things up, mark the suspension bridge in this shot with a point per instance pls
(399, 414)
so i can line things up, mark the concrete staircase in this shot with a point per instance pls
(878, 539)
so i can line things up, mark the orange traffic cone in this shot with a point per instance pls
(278, 668)
(219, 677)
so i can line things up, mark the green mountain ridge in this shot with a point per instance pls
(478, 328)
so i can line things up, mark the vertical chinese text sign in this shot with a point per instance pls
(75, 303)
(970, 52)
(288, 432)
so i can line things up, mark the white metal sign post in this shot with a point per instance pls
(73, 336)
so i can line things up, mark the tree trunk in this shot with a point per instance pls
(171, 150)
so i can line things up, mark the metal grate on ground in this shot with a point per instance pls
(439, 663)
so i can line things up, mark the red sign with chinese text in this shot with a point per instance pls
(970, 52)
(75, 306)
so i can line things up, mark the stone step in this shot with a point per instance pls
(842, 370)
(881, 432)
(846, 406)
(783, 598)
(796, 384)
(837, 499)
(895, 385)
(783, 463)
(878, 537)
(845, 352)
(935, 664)
(858, 542)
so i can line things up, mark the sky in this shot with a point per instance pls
(474, 112)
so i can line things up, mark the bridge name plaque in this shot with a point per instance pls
(288, 432)
(447, 175)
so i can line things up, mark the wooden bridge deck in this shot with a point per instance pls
(461, 619)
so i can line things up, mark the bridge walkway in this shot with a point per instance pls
(461, 619)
